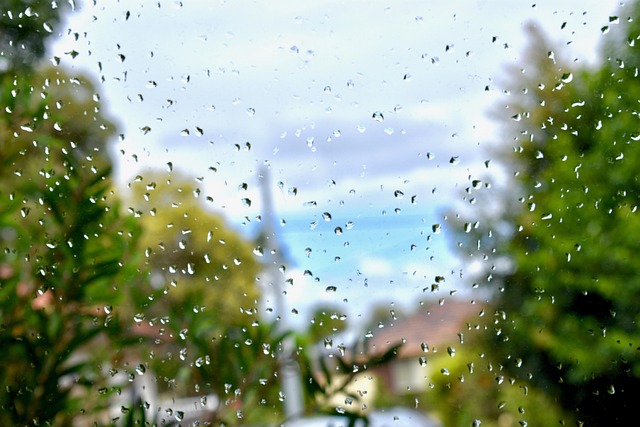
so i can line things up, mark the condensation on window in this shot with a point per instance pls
(337, 213)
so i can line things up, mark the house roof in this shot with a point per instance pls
(435, 325)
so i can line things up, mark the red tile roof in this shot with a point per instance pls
(435, 325)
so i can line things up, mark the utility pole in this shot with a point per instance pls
(289, 373)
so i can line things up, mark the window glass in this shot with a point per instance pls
(329, 213)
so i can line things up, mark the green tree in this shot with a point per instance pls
(561, 250)
(65, 246)
(24, 28)
(193, 255)
(203, 291)
(67, 252)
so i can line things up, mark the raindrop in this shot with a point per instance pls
(326, 216)
(378, 117)
(246, 202)
(331, 289)
(338, 231)
(398, 194)
(567, 77)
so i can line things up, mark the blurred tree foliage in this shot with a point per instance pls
(25, 26)
(560, 242)
(207, 270)
(202, 288)
(67, 253)
(325, 323)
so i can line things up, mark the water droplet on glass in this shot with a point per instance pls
(378, 117)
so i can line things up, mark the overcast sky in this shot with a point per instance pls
(373, 111)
